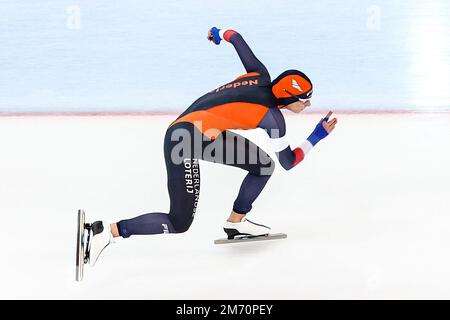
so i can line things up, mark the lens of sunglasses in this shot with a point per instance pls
(297, 97)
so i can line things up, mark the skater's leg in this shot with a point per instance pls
(240, 152)
(184, 189)
(184, 194)
(102, 233)
(250, 189)
(150, 223)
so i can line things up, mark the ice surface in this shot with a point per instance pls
(366, 213)
(153, 55)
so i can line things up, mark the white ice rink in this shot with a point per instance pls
(366, 213)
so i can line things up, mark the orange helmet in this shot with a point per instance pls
(292, 86)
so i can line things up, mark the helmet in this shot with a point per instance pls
(292, 86)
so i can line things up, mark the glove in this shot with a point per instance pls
(319, 132)
(214, 35)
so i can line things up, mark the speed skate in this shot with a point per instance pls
(250, 238)
(246, 230)
(83, 239)
(92, 239)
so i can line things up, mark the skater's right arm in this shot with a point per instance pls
(248, 58)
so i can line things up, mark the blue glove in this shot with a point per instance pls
(319, 133)
(215, 34)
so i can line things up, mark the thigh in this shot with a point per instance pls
(234, 150)
(184, 194)
(183, 179)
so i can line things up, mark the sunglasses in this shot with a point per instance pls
(297, 97)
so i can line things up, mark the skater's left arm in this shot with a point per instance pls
(287, 156)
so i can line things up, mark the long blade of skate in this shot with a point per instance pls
(274, 236)
(80, 246)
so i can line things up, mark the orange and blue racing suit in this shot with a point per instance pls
(247, 102)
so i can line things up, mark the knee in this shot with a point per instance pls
(180, 225)
(182, 228)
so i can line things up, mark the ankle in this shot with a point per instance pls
(235, 217)
(114, 230)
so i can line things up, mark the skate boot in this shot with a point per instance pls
(245, 229)
(101, 238)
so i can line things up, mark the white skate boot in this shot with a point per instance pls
(101, 238)
(244, 229)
